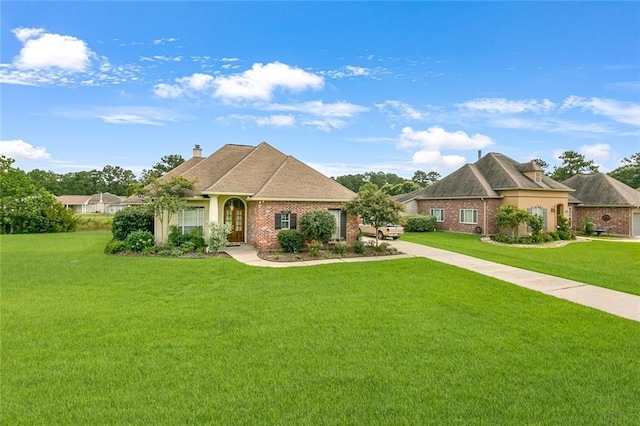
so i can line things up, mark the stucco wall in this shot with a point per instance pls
(619, 224)
(487, 211)
(261, 232)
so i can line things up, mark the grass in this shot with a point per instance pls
(94, 221)
(95, 339)
(608, 264)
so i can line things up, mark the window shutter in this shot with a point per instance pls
(278, 221)
(544, 219)
(293, 221)
(343, 225)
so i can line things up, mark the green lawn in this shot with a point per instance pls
(614, 265)
(95, 339)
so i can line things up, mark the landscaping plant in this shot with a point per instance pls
(317, 225)
(290, 240)
(419, 223)
(218, 235)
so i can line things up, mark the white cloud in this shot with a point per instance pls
(435, 160)
(319, 108)
(164, 40)
(505, 106)
(229, 59)
(276, 121)
(261, 81)
(197, 81)
(600, 152)
(436, 138)
(42, 50)
(128, 119)
(164, 90)
(24, 34)
(326, 125)
(397, 108)
(622, 112)
(21, 150)
(161, 58)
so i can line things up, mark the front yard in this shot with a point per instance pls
(95, 339)
(608, 264)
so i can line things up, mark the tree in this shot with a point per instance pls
(380, 179)
(375, 207)
(572, 164)
(400, 188)
(116, 180)
(540, 162)
(317, 225)
(510, 217)
(165, 198)
(26, 207)
(425, 179)
(161, 168)
(629, 172)
(47, 179)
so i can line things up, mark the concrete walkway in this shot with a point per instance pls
(614, 302)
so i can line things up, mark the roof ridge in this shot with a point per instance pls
(481, 179)
(235, 166)
(274, 174)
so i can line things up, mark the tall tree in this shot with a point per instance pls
(375, 207)
(116, 180)
(572, 164)
(629, 172)
(26, 207)
(165, 198)
(400, 188)
(161, 168)
(425, 179)
(48, 179)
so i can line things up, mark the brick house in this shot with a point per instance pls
(468, 199)
(611, 205)
(259, 191)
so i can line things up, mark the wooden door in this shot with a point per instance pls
(235, 217)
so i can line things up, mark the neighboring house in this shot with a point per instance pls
(97, 203)
(257, 190)
(468, 199)
(610, 204)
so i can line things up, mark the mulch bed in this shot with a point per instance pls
(280, 256)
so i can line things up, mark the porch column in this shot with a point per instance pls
(213, 209)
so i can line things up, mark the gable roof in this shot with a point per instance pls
(69, 200)
(261, 173)
(486, 178)
(106, 197)
(600, 189)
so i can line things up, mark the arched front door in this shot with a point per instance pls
(234, 216)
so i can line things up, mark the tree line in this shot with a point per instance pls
(113, 179)
(573, 163)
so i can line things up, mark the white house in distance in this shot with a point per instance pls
(96, 203)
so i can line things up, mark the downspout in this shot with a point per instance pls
(484, 216)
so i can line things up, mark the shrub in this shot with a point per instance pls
(420, 223)
(554, 235)
(140, 240)
(535, 223)
(358, 247)
(88, 223)
(218, 235)
(339, 248)
(381, 247)
(290, 240)
(130, 219)
(318, 225)
(566, 235)
(314, 248)
(116, 246)
(587, 226)
(563, 224)
(189, 242)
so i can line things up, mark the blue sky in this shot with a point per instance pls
(345, 87)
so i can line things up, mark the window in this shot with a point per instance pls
(438, 214)
(286, 220)
(189, 219)
(469, 216)
(538, 177)
(341, 224)
(570, 216)
(539, 211)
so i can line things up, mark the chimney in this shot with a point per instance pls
(197, 151)
(479, 154)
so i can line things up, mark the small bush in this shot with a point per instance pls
(290, 240)
(358, 247)
(218, 233)
(566, 235)
(587, 226)
(88, 223)
(420, 223)
(116, 246)
(381, 247)
(140, 240)
(190, 242)
(314, 248)
(563, 224)
(339, 248)
(318, 225)
(554, 235)
(130, 219)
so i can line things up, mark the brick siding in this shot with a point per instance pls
(261, 231)
(452, 214)
(619, 224)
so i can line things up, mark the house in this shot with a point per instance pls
(611, 205)
(257, 190)
(96, 203)
(468, 199)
